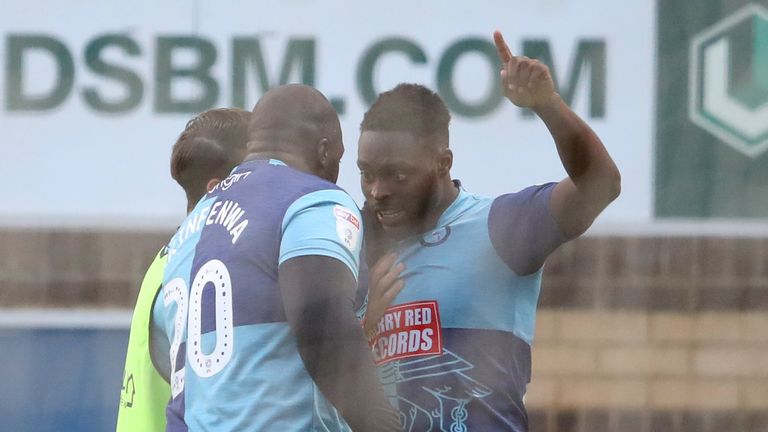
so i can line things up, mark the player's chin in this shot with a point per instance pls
(400, 227)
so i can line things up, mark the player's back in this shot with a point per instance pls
(238, 367)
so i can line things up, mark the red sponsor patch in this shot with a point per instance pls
(345, 214)
(407, 330)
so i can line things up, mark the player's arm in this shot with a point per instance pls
(318, 294)
(319, 257)
(593, 179)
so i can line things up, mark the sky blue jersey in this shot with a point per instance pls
(233, 361)
(453, 348)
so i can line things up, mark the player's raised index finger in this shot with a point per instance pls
(501, 46)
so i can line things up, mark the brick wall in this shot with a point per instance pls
(653, 334)
(633, 333)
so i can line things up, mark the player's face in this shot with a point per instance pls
(398, 175)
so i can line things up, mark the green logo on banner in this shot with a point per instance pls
(729, 80)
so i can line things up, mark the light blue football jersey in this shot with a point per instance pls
(453, 348)
(234, 361)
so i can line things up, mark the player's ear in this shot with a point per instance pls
(322, 151)
(444, 161)
(212, 184)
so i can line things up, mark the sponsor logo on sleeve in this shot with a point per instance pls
(347, 226)
(407, 330)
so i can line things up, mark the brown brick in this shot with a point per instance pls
(627, 361)
(63, 293)
(586, 262)
(718, 327)
(757, 298)
(720, 298)
(645, 256)
(664, 421)
(539, 421)
(724, 421)
(631, 421)
(672, 394)
(670, 298)
(677, 257)
(679, 394)
(730, 361)
(747, 258)
(117, 294)
(671, 327)
(693, 422)
(571, 293)
(558, 264)
(756, 421)
(714, 257)
(541, 393)
(643, 294)
(755, 394)
(73, 255)
(624, 327)
(625, 295)
(567, 421)
(617, 263)
(589, 393)
(755, 326)
(554, 360)
(22, 294)
(762, 260)
(21, 254)
(116, 256)
(596, 421)
(546, 326)
(628, 257)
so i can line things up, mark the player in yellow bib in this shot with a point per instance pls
(211, 145)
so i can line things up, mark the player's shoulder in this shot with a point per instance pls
(527, 192)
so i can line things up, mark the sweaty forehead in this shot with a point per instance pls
(378, 148)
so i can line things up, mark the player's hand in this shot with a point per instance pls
(383, 286)
(526, 82)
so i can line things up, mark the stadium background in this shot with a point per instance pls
(655, 321)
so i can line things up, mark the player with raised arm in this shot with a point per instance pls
(454, 345)
(257, 304)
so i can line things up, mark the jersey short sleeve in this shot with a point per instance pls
(325, 222)
(522, 229)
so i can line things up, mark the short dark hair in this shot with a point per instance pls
(410, 108)
(211, 145)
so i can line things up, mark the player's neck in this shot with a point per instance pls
(445, 194)
(285, 157)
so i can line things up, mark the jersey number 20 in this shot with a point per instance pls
(189, 312)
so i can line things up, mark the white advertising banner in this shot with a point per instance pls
(95, 93)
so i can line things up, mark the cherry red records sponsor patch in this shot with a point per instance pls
(407, 330)
(345, 214)
(347, 226)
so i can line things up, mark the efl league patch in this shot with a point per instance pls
(407, 330)
(347, 226)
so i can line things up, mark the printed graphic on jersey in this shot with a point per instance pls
(230, 180)
(407, 330)
(445, 407)
(347, 226)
